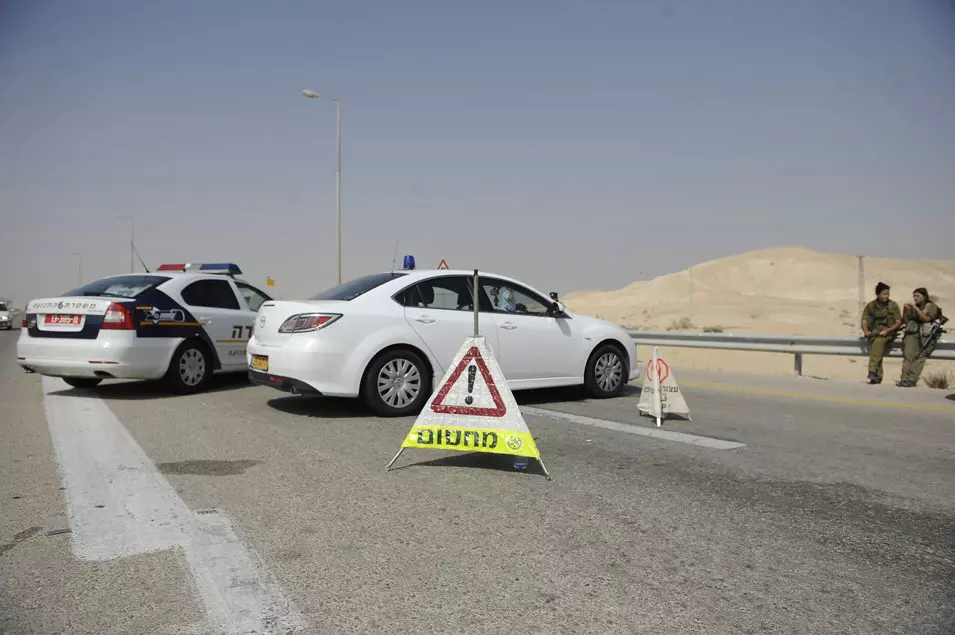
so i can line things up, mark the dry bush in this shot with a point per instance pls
(937, 380)
(683, 324)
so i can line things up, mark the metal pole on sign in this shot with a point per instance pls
(474, 300)
(657, 401)
(400, 450)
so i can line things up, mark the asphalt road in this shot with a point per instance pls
(836, 516)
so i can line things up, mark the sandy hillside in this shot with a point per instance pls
(780, 290)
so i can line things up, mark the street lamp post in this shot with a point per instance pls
(132, 240)
(338, 178)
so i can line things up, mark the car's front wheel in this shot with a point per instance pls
(397, 384)
(83, 382)
(190, 369)
(606, 372)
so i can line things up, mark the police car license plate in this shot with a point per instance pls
(260, 362)
(62, 320)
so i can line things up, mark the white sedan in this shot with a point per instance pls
(387, 338)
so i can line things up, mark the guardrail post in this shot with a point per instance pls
(798, 357)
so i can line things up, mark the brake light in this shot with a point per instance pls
(304, 322)
(118, 318)
(29, 321)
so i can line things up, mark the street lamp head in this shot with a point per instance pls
(310, 94)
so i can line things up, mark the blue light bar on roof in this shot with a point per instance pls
(216, 267)
(409, 262)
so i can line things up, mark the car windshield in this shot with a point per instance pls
(3, 307)
(354, 288)
(130, 286)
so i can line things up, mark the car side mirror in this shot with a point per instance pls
(557, 308)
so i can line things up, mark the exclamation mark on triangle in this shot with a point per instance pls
(472, 374)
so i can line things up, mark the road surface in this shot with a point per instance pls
(126, 510)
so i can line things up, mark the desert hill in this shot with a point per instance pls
(790, 290)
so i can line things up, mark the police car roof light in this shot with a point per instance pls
(221, 267)
(181, 267)
(409, 262)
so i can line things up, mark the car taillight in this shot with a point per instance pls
(118, 318)
(29, 321)
(304, 322)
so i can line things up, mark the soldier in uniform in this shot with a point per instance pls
(881, 319)
(918, 316)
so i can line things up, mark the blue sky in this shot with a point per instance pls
(571, 144)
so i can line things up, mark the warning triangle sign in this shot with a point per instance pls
(472, 410)
(660, 395)
(443, 264)
(476, 394)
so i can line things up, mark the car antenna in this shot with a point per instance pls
(141, 259)
(394, 258)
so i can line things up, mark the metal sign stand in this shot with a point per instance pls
(477, 333)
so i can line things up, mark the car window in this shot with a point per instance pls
(253, 297)
(354, 288)
(452, 293)
(510, 298)
(216, 294)
(118, 286)
(3, 307)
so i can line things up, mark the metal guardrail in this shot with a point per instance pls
(797, 345)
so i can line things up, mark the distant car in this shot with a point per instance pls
(182, 323)
(387, 337)
(8, 315)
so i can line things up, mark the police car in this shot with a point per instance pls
(388, 337)
(181, 323)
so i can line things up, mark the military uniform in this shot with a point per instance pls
(915, 334)
(880, 316)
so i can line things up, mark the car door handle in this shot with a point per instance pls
(424, 319)
(508, 326)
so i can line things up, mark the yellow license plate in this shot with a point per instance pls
(260, 362)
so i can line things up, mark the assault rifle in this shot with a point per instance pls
(935, 333)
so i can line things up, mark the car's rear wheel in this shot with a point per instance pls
(83, 382)
(397, 384)
(190, 369)
(606, 372)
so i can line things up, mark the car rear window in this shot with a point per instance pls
(130, 286)
(354, 288)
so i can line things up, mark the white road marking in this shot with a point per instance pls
(120, 505)
(667, 435)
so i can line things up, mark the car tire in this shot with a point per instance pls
(387, 399)
(84, 383)
(606, 372)
(190, 369)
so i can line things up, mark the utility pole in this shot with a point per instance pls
(861, 284)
